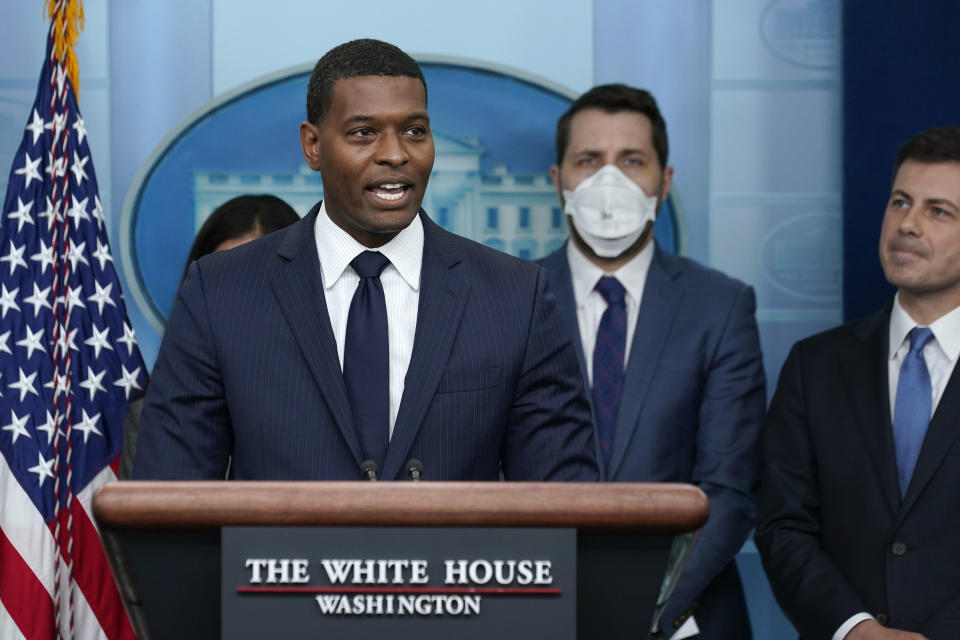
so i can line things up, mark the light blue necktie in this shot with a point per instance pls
(911, 414)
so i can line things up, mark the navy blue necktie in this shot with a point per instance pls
(366, 357)
(608, 354)
(911, 414)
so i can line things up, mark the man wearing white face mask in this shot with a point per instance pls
(668, 347)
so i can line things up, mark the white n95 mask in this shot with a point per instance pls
(609, 211)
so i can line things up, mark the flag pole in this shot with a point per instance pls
(66, 18)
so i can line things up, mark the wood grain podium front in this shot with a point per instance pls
(163, 538)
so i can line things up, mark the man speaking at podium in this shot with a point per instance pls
(366, 332)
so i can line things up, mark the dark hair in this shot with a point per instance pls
(940, 144)
(240, 217)
(355, 58)
(613, 98)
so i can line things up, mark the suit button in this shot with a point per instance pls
(899, 548)
(882, 618)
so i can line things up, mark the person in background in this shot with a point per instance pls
(239, 221)
(859, 502)
(670, 348)
(235, 222)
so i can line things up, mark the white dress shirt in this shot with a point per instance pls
(591, 305)
(940, 354)
(590, 308)
(401, 289)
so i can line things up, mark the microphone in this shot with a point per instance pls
(369, 470)
(414, 469)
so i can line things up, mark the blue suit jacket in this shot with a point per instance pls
(691, 411)
(248, 368)
(835, 536)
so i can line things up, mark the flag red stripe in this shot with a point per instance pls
(25, 599)
(56, 580)
(92, 572)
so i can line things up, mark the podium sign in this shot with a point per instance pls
(165, 541)
(377, 582)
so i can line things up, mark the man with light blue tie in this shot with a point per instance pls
(669, 348)
(860, 502)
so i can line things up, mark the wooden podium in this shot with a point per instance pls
(163, 538)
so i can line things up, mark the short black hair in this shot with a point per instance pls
(940, 144)
(366, 57)
(614, 98)
(239, 217)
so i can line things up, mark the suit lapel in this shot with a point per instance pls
(443, 296)
(661, 299)
(298, 286)
(865, 374)
(561, 286)
(941, 435)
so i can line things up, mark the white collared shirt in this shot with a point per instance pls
(590, 308)
(940, 355)
(591, 305)
(401, 289)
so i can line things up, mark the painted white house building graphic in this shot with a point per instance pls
(515, 213)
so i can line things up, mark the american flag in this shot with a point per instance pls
(69, 365)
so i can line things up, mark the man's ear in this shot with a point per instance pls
(310, 144)
(666, 182)
(557, 185)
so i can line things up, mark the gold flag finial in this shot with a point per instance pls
(68, 21)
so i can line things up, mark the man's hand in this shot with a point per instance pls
(873, 630)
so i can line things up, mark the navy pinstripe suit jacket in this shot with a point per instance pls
(248, 368)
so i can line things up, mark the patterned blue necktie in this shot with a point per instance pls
(608, 362)
(911, 414)
(366, 357)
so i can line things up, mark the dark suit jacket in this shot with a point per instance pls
(692, 406)
(835, 537)
(248, 368)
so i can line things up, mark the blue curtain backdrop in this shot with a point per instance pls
(901, 75)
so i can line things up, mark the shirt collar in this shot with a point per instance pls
(585, 273)
(946, 330)
(337, 248)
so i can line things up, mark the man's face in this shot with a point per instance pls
(623, 139)
(375, 152)
(920, 237)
